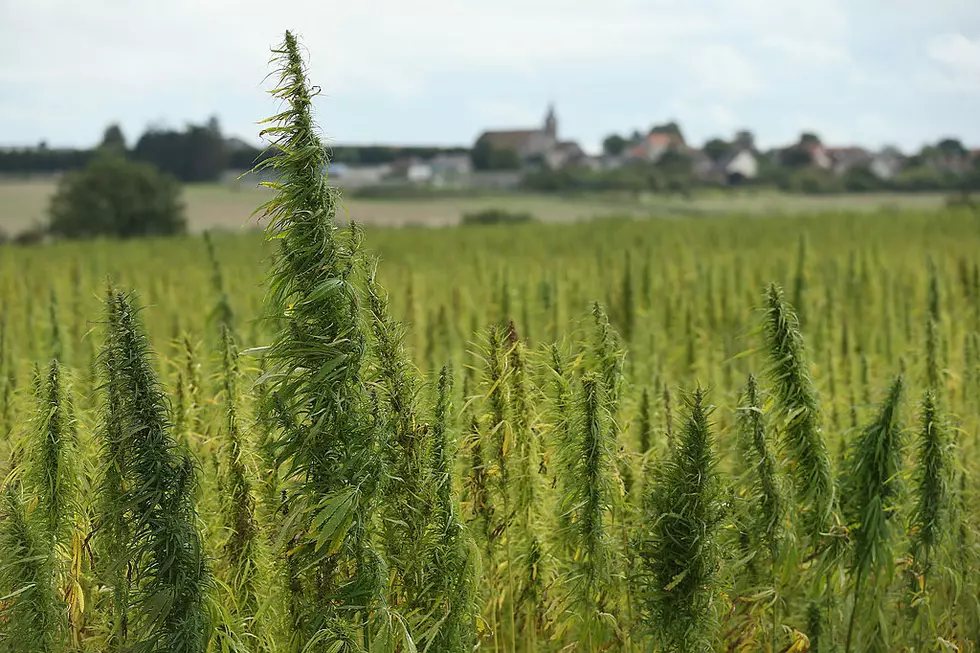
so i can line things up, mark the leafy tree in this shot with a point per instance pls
(951, 147)
(745, 139)
(674, 163)
(919, 178)
(860, 179)
(671, 128)
(113, 139)
(196, 154)
(116, 197)
(809, 138)
(716, 148)
(795, 157)
(487, 157)
(614, 145)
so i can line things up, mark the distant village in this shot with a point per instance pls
(538, 155)
(539, 158)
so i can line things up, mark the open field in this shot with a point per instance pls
(684, 301)
(23, 203)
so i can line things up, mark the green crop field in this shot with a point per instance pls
(732, 433)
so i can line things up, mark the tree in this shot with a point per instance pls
(674, 163)
(671, 128)
(951, 147)
(196, 154)
(795, 157)
(716, 148)
(487, 157)
(859, 178)
(614, 145)
(745, 139)
(809, 138)
(112, 196)
(113, 139)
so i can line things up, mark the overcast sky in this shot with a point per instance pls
(870, 72)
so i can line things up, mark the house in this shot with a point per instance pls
(351, 176)
(563, 153)
(418, 172)
(818, 155)
(702, 167)
(528, 143)
(536, 146)
(653, 146)
(843, 159)
(738, 165)
(451, 169)
(887, 163)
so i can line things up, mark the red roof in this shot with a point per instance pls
(661, 140)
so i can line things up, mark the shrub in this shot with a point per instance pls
(496, 216)
(113, 196)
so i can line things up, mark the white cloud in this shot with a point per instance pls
(959, 58)
(806, 51)
(722, 118)
(714, 64)
(721, 70)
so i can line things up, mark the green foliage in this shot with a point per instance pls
(194, 155)
(931, 484)
(586, 501)
(149, 488)
(29, 608)
(873, 492)
(315, 373)
(798, 413)
(495, 216)
(454, 565)
(240, 551)
(485, 156)
(346, 531)
(115, 197)
(51, 473)
(678, 541)
(766, 501)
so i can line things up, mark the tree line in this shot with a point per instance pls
(197, 153)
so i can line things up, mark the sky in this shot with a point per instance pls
(865, 72)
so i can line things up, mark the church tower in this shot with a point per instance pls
(551, 123)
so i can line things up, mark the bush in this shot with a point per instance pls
(496, 216)
(113, 196)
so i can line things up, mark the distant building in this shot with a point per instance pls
(527, 143)
(818, 155)
(351, 176)
(843, 159)
(536, 145)
(653, 146)
(451, 169)
(564, 153)
(739, 164)
(887, 163)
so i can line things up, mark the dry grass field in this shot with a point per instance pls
(23, 203)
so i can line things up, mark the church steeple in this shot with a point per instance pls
(551, 122)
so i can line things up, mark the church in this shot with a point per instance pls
(536, 145)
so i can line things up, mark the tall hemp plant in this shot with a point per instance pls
(798, 422)
(873, 486)
(407, 441)
(329, 453)
(678, 540)
(453, 559)
(766, 503)
(147, 501)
